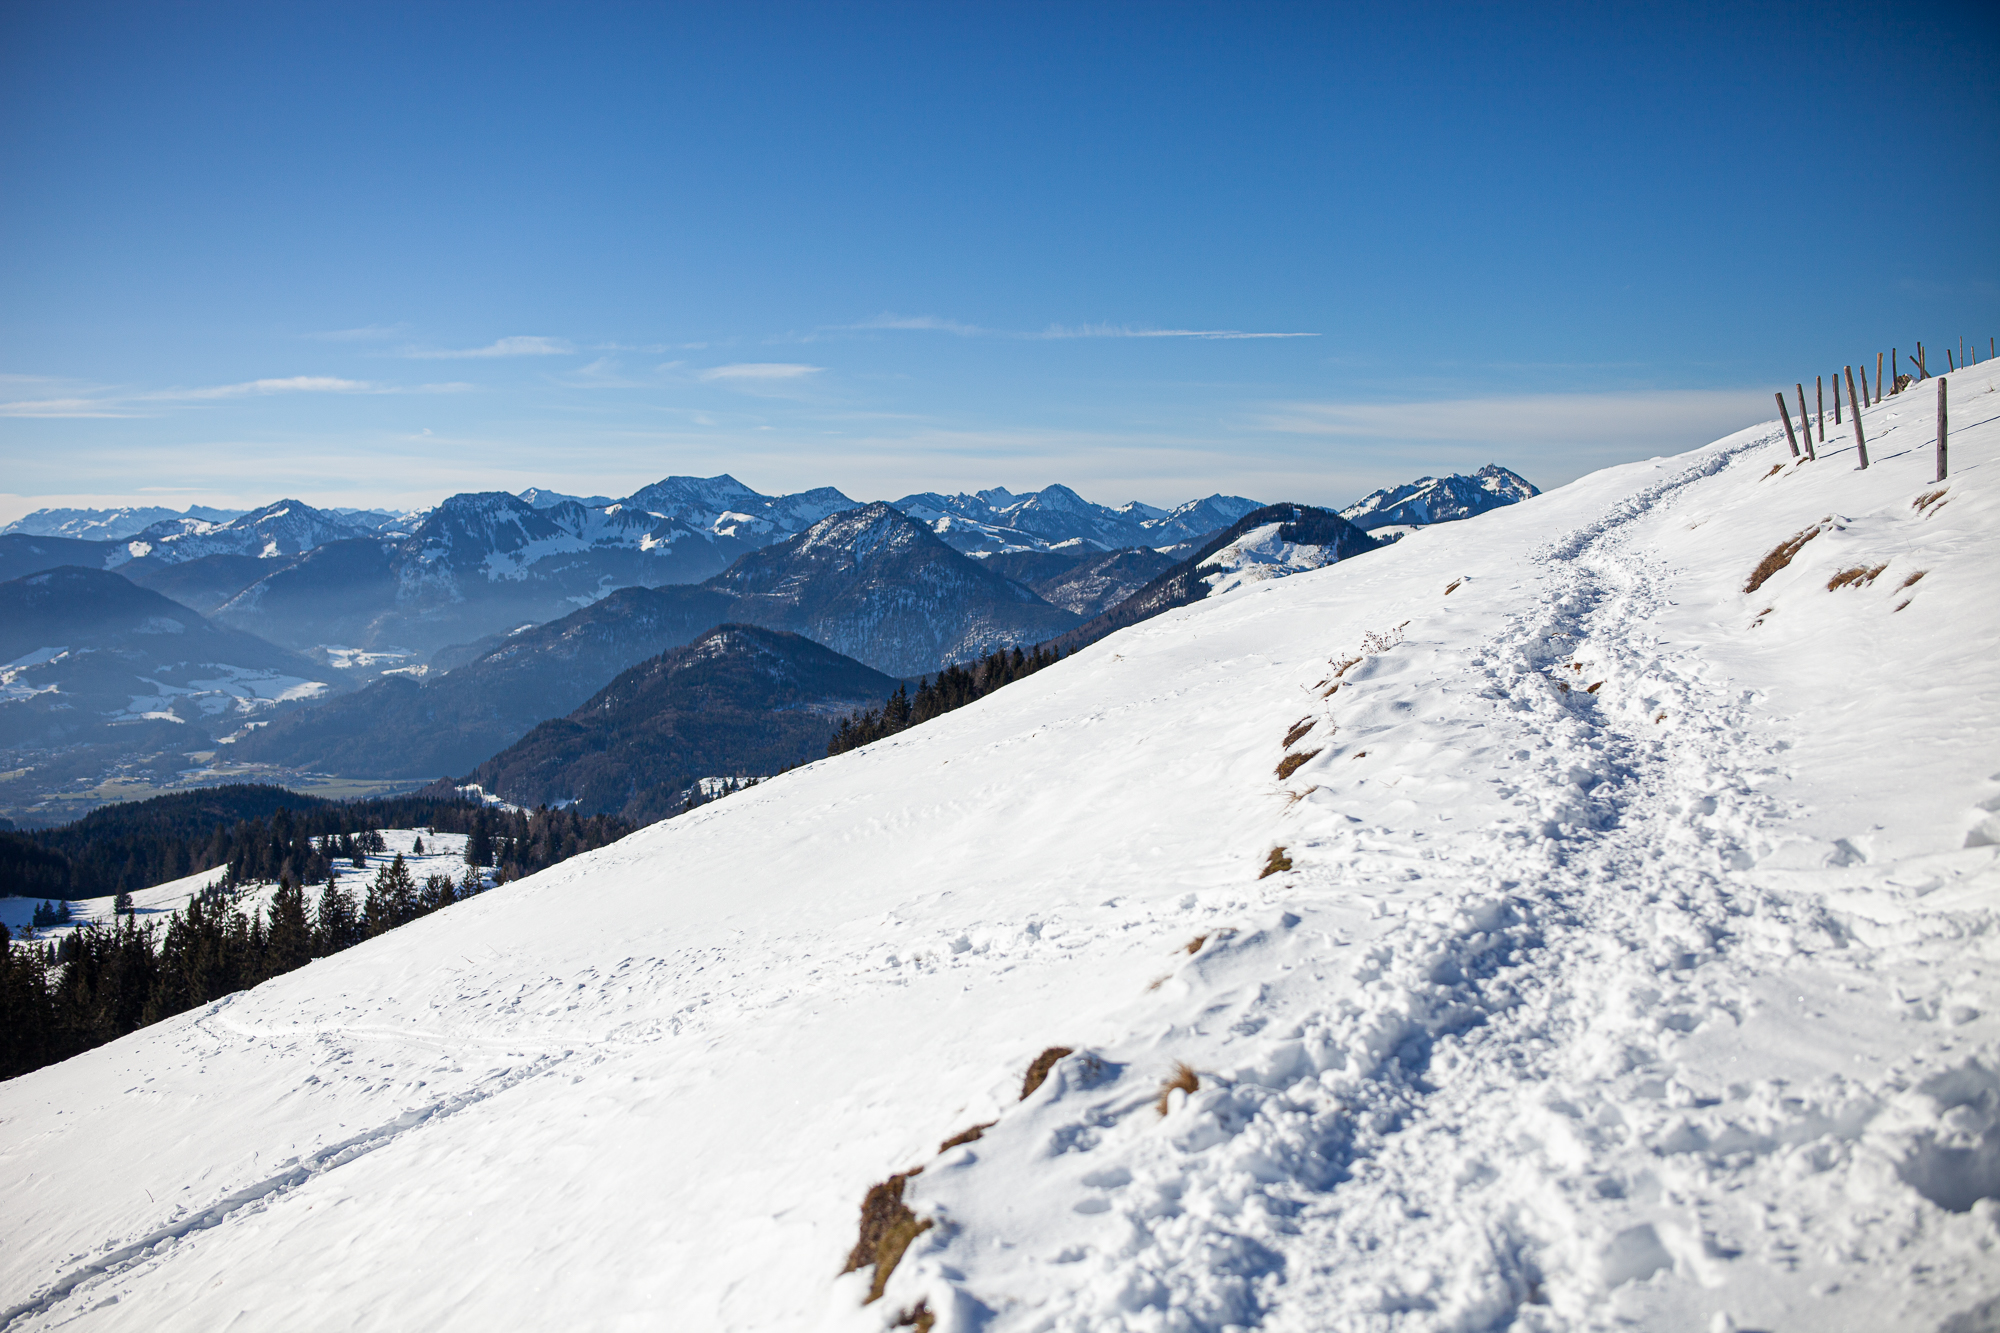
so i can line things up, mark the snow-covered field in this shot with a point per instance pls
(443, 854)
(1634, 966)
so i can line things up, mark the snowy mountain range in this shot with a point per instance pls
(1439, 499)
(1579, 917)
(997, 520)
(109, 524)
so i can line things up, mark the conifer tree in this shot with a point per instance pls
(290, 942)
(392, 897)
(338, 925)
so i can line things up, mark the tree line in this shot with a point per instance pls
(58, 999)
(263, 833)
(954, 687)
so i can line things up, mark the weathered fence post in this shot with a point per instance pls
(1790, 438)
(1941, 431)
(1878, 377)
(1923, 371)
(1895, 373)
(1819, 399)
(1836, 403)
(1860, 440)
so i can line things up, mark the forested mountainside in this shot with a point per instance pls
(739, 700)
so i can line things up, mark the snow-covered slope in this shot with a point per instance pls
(1439, 499)
(1629, 961)
(109, 524)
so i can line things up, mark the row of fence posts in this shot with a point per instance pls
(1860, 398)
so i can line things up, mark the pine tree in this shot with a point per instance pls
(479, 846)
(290, 942)
(392, 898)
(338, 925)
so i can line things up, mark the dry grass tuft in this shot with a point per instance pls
(1563, 685)
(1913, 578)
(1453, 588)
(1595, 688)
(1361, 754)
(918, 1316)
(1858, 577)
(887, 1228)
(1278, 861)
(1899, 606)
(965, 1136)
(1781, 555)
(1291, 763)
(1038, 1072)
(1776, 468)
(1928, 498)
(1659, 718)
(1299, 728)
(1185, 1079)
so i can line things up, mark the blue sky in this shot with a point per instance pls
(376, 254)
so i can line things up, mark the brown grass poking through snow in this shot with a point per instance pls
(1928, 498)
(1913, 578)
(1291, 763)
(1299, 728)
(1278, 861)
(965, 1136)
(1185, 1079)
(1194, 945)
(1776, 468)
(1038, 1072)
(1858, 577)
(1781, 555)
(887, 1228)
(1595, 688)
(918, 1316)
(1453, 588)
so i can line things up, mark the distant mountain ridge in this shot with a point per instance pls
(1440, 499)
(997, 520)
(740, 699)
(869, 583)
(109, 524)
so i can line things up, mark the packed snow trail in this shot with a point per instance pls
(1634, 966)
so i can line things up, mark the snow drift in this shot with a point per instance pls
(1618, 950)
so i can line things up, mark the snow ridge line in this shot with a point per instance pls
(326, 1159)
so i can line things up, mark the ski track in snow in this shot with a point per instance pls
(1576, 1009)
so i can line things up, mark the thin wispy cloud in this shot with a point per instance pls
(1669, 415)
(935, 324)
(759, 372)
(112, 403)
(1127, 331)
(519, 345)
(367, 333)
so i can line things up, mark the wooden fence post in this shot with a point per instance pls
(1860, 440)
(1819, 397)
(1878, 377)
(1949, 364)
(1805, 427)
(1790, 438)
(1941, 432)
(1836, 403)
(1895, 373)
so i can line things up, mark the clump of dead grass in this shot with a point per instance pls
(1291, 763)
(887, 1228)
(1928, 498)
(1183, 1078)
(965, 1136)
(1038, 1072)
(1858, 577)
(1595, 688)
(1781, 555)
(1299, 728)
(918, 1316)
(1277, 861)
(1913, 578)
(1776, 468)
(1453, 587)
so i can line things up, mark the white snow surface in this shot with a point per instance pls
(1668, 1003)
(1260, 554)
